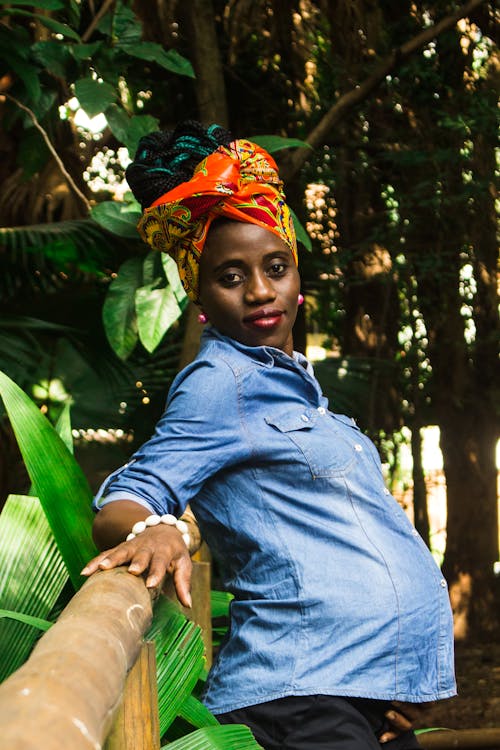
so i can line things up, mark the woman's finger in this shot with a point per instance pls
(398, 720)
(182, 580)
(98, 562)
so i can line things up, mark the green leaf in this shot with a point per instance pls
(119, 315)
(152, 271)
(58, 480)
(50, 23)
(43, 4)
(28, 73)
(179, 658)
(52, 55)
(273, 143)
(129, 130)
(94, 96)
(219, 602)
(63, 428)
(32, 153)
(59, 28)
(169, 60)
(157, 310)
(85, 51)
(228, 737)
(35, 622)
(126, 27)
(172, 274)
(196, 713)
(32, 576)
(91, 242)
(300, 231)
(116, 218)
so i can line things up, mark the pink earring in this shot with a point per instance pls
(202, 318)
(300, 299)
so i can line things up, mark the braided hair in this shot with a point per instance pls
(166, 159)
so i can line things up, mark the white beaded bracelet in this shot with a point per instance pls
(154, 520)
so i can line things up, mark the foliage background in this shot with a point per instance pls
(398, 101)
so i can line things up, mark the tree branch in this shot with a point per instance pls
(290, 166)
(51, 148)
(100, 13)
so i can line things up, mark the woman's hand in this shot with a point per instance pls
(401, 717)
(158, 550)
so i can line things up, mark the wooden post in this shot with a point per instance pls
(137, 724)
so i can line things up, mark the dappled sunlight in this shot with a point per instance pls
(460, 597)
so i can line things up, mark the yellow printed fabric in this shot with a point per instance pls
(239, 181)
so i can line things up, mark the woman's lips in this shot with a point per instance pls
(264, 318)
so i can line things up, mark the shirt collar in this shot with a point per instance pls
(266, 355)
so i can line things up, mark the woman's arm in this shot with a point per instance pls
(158, 550)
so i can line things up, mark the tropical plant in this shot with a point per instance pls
(48, 541)
(398, 101)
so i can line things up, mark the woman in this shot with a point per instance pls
(339, 608)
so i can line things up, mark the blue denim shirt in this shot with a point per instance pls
(335, 592)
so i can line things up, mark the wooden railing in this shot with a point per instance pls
(73, 692)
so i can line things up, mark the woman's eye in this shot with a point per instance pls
(278, 269)
(231, 278)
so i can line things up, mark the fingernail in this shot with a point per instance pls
(391, 715)
(151, 582)
(105, 563)
(189, 601)
(84, 571)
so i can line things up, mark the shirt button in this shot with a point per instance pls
(304, 417)
(414, 532)
(386, 491)
(442, 583)
(321, 410)
(358, 447)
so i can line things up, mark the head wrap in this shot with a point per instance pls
(239, 181)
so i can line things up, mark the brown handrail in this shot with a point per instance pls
(69, 691)
(66, 694)
(447, 739)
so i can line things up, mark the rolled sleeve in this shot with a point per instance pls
(199, 434)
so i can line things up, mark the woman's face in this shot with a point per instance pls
(249, 284)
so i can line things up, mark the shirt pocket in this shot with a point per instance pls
(324, 441)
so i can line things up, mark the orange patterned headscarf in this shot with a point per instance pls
(239, 181)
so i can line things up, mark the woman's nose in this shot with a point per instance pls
(259, 289)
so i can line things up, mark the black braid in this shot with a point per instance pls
(166, 159)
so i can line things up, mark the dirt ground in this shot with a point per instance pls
(478, 702)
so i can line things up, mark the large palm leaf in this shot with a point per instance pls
(32, 563)
(32, 576)
(34, 255)
(229, 737)
(57, 479)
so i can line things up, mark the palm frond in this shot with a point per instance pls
(57, 478)
(196, 713)
(179, 658)
(228, 737)
(32, 576)
(33, 256)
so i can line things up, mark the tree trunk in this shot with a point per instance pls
(198, 18)
(420, 514)
(469, 434)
